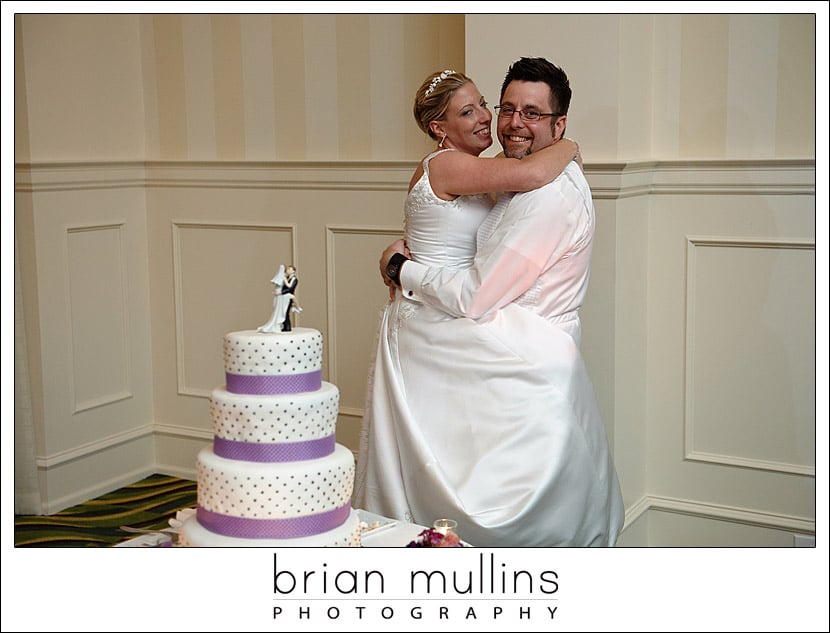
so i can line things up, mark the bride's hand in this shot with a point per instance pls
(577, 154)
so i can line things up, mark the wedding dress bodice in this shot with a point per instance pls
(442, 232)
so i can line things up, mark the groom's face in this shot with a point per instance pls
(519, 137)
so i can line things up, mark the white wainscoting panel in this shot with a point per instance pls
(750, 353)
(702, 305)
(222, 276)
(356, 300)
(99, 316)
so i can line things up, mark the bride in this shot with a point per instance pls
(445, 430)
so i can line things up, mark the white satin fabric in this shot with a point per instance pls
(490, 422)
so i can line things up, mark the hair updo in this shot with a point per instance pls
(433, 97)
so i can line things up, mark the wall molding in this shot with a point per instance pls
(177, 227)
(699, 177)
(79, 176)
(98, 446)
(716, 512)
(186, 432)
(693, 242)
(56, 504)
(120, 229)
(610, 180)
(332, 232)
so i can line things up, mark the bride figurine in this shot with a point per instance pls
(282, 301)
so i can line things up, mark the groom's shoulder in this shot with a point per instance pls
(569, 193)
(572, 177)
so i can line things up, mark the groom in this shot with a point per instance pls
(533, 249)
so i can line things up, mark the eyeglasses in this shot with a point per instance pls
(507, 112)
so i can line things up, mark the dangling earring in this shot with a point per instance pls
(441, 144)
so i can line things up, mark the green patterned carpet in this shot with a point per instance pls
(147, 504)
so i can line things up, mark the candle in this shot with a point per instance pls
(445, 525)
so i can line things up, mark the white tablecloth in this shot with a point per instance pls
(389, 532)
(382, 532)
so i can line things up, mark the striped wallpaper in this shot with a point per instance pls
(294, 87)
(328, 87)
(747, 86)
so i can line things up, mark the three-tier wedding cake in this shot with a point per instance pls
(274, 476)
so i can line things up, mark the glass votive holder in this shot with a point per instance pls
(445, 525)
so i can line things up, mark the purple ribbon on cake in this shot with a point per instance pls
(272, 528)
(273, 385)
(268, 452)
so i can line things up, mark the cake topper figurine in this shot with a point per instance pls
(285, 283)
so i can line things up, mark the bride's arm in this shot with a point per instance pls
(459, 173)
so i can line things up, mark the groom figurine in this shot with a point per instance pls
(289, 285)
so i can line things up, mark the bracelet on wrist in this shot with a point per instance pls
(393, 267)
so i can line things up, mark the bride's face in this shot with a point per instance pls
(467, 121)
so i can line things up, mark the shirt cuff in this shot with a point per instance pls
(412, 275)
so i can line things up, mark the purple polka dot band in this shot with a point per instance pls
(268, 452)
(272, 528)
(273, 385)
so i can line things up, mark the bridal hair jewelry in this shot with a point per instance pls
(438, 79)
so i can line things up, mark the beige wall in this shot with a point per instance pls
(668, 86)
(228, 87)
(82, 87)
(337, 87)
(166, 164)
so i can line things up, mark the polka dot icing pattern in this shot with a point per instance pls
(253, 353)
(193, 534)
(274, 491)
(275, 475)
(284, 418)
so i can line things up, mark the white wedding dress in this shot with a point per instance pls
(494, 423)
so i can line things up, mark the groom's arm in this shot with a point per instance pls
(537, 229)
(500, 273)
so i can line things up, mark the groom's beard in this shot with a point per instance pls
(526, 151)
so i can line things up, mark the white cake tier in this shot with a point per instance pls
(297, 417)
(253, 353)
(194, 534)
(275, 491)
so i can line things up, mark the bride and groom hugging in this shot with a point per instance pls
(479, 406)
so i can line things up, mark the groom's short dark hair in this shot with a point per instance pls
(540, 69)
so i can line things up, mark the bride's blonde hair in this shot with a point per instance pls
(433, 97)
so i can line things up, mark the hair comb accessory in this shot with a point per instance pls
(437, 80)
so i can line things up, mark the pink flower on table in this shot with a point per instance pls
(433, 538)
